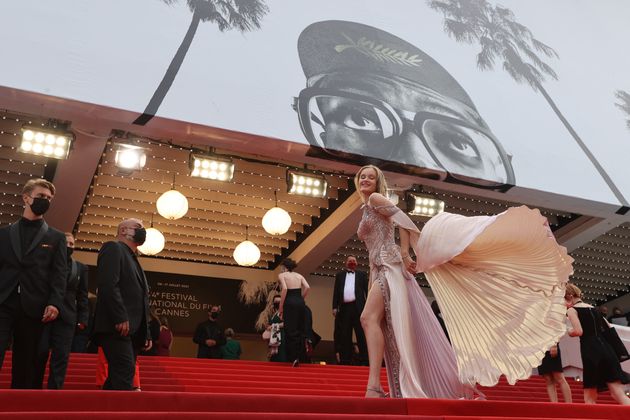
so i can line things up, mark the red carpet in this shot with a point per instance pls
(191, 389)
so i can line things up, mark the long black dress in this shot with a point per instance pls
(294, 312)
(599, 361)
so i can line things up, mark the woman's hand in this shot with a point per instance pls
(410, 264)
(553, 351)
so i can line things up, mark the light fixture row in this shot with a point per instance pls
(130, 158)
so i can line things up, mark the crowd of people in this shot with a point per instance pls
(380, 316)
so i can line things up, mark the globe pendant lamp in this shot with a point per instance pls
(246, 253)
(154, 244)
(172, 204)
(276, 221)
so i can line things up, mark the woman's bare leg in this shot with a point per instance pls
(551, 387)
(617, 392)
(590, 395)
(559, 378)
(371, 319)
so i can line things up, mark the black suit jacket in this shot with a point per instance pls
(40, 272)
(74, 308)
(360, 289)
(123, 292)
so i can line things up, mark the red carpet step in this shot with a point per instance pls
(191, 388)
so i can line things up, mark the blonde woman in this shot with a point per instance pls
(499, 281)
(600, 365)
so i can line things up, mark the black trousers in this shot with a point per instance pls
(294, 317)
(120, 353)
(350, 319)
(57, 337)
(28, 364)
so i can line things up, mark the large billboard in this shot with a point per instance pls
(493, 94)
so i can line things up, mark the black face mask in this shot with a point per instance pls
(40, 206)
(214, 315)
(140, 235)
(69, 251)
(276, 305)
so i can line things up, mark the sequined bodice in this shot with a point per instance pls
(377, 231)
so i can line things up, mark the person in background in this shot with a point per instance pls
(232, 348)
(122, 306)
(599, 361)
(277, 346)
(73, 314)
(551, 370)
(165, 340)
(209, 336)
(154, 332)
(293, 310)
(618, 317)
(603, 310)
(349, 295)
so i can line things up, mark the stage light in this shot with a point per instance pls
(424, 205)
(211, 167)
(130, 158)
(307, 184)
(44, 142)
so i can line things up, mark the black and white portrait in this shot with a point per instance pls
(371, 94)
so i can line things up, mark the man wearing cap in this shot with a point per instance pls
(373, 97)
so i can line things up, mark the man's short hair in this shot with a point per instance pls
(31, 184)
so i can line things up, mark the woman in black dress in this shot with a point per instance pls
(293, 310)
(551, 369)
(600, 364)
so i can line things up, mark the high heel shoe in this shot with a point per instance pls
(376, 393)
(296, 363)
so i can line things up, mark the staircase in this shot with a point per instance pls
(191, 388)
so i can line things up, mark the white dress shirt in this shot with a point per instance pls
(348, 288)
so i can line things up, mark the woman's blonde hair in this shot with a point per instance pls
(381, 183)
(573, 291)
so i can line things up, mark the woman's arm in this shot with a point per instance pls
(408, 261)
(576, 330)
(283, 293)
(305, 287)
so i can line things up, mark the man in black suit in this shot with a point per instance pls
(33, 271)
(349, 296)
(122, 305)
(209, 336)
(73, 314)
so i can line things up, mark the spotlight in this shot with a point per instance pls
(44, 142)
(307, 184)
(424, 205)
(130, 158)
(211, 167)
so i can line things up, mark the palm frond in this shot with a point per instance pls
(624, 97)
(459, 30)
(544, 48)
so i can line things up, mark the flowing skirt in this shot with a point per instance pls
(499, 281)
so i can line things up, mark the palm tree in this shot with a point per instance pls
(624, 97)
(503, 39)
(244, 15)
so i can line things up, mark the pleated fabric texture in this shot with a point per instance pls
(500, 283)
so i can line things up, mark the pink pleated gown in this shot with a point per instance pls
(499, 281)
